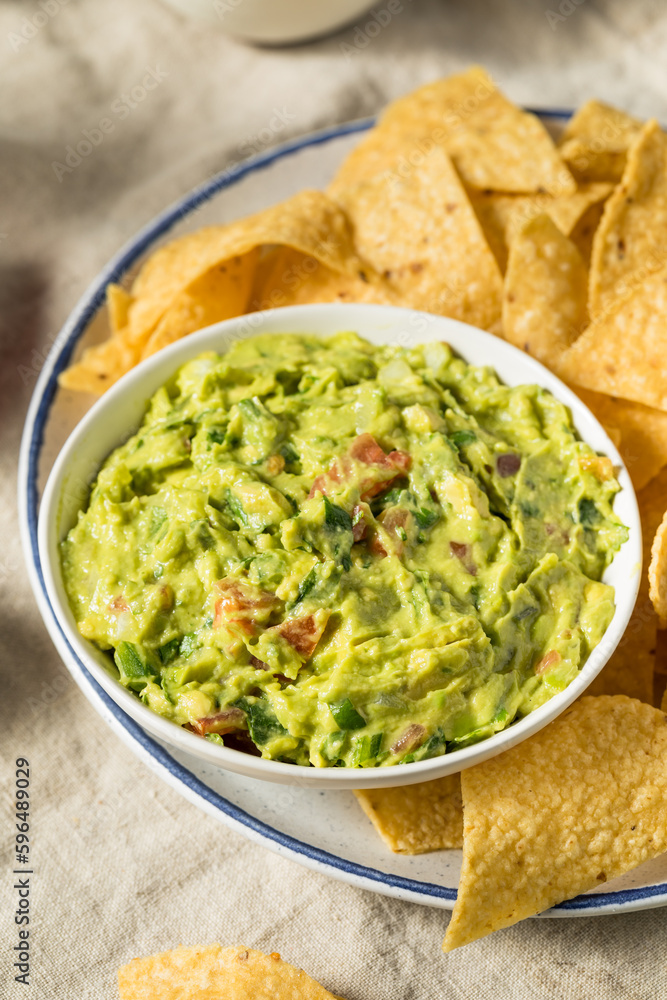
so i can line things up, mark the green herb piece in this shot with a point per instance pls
(462, 438)
(426, 518)
(216, 435)
(262, 723)
(249, 408)
(346, 715)
(528, 509)
(501, 716)
(189, 643)
(336, 517)
(289, 453)
(235, 508)
(306, 585)
(588, 512)
(169, 651)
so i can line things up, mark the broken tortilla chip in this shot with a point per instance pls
(579, 803)
(210, 973)
(631, 241)
(419, 231)
(544, 302)
(502, 216)
(494, 145)
(595, 142)
(417, 818)
(622, 352)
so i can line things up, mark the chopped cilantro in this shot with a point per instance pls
(346, 715)
(336, 517)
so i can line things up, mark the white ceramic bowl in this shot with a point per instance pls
(282, 22)
(117, 415)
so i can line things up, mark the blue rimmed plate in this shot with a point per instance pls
(322, 830)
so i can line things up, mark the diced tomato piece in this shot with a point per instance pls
(361, 518)
(304, 633)
(225, 721)
(549, 660)
(242, 604)
(395, 521)
(366, 451)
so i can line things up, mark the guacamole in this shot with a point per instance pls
(337, 554)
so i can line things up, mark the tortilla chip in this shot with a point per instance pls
(631, 667)
(579, 803)
(219, 294)
(414, 819)
(211, 973)
(494, 145)
(419, 231)
(631, 241)
(309, 222)
(502, 216)
(622, 353)
(584, 230)
(544, 304)
(118, 304)
(297, 279)
(639, 432)
(595, 142)
(657, 573)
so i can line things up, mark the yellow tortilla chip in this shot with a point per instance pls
(657, 573)
(118, 304)
(631, 241)
(214, 973)
(419, 231)
(297, 279)
(639, 432)
(503, 216)
(309, 222)
(494, 145)
(579, 803)
(595, 142)
(414, 819)
(219, 294)
(622, 353)
(631, 667)
(544, 302)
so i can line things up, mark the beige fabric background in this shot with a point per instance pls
(123, 865)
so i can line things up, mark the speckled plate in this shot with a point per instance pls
(322, 830)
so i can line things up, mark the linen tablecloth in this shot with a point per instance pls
(123, 866)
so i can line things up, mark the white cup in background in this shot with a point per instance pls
(274, 22)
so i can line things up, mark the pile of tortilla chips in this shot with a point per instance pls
(212, 972)
(461, 204)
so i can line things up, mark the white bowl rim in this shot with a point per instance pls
(314, 316)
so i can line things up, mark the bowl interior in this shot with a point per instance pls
(114, 417)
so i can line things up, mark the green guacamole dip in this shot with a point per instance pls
(338, 554)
